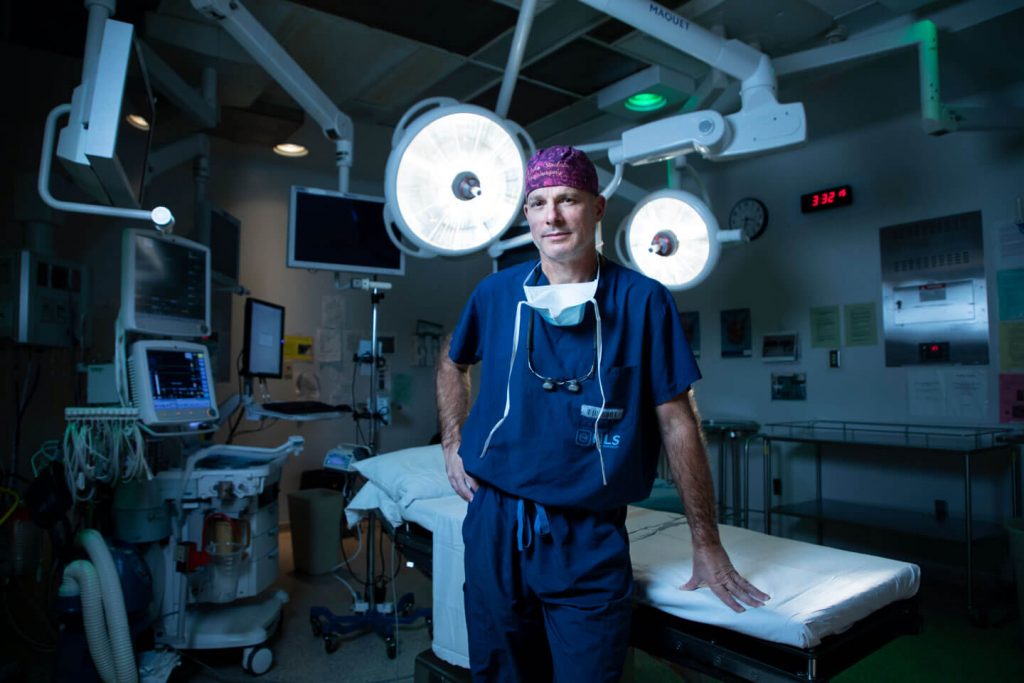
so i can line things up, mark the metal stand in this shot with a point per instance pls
(323, 622)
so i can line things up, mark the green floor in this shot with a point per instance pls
(949, 648)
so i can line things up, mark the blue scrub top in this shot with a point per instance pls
(545, 450)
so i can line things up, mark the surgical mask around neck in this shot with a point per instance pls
(562, 305)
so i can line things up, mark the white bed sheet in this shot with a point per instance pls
(443, 518)
(816, 591)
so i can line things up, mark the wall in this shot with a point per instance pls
(898, 175)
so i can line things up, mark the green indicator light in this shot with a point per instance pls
(646, 101)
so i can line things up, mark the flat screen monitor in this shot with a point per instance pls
(263, 349)
(105, 145)
(165, 284)
(171, 382)
(341, 232)
(222, 232)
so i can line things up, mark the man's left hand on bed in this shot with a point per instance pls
(712, 568)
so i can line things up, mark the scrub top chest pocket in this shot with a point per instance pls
(620, 400)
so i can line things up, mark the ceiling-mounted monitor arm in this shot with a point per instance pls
(161, 217)
(268, 53)
(761, 124)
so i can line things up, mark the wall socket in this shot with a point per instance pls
(833, 358)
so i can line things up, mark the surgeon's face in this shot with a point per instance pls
(563, 222)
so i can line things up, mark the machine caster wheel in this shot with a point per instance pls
(257, 660)
(332, 641)
(392, 648)
(406, 605)
(316, 624)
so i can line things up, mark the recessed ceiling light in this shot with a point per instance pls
(290, 149)
(137, 121)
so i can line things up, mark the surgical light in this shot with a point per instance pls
(454, 179)
(670, 236)
(291, 150)
(646, 101)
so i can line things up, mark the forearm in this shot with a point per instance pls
(453, 389)
(688, 460)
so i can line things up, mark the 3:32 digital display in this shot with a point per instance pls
(826, 199)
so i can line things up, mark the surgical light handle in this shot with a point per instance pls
(161, 216)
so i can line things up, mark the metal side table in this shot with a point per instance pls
(967, 443)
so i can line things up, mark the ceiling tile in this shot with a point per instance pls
(443, 24)
(583, 66)
(529, 102)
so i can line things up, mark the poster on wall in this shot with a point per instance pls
(1011, 346)
(1011, 398)
(825, 327)
(691, 327)
(940, 393)
(861, 325)
(789, 387)
(1011, 294)
(737, 337)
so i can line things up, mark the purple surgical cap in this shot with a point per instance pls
(568, 166)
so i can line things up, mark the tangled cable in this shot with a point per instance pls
(102, 446)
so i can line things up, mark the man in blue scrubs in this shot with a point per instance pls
(586, 373)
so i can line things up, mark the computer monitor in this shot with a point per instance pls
(105, 145)
(165, 284)
(222, 231)
(263, 349)
(171, 382)
(341, 232)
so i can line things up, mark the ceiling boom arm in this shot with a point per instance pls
(268, 53)
(761, 124)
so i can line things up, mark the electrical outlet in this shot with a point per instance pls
(777, 487)
(833, 358)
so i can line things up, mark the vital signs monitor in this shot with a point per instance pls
(171, 382)
(165, 284)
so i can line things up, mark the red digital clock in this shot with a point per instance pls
(826, 199)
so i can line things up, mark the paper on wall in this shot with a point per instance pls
(328, 345)
(960, 393)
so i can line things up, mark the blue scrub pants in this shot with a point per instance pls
(548, 591)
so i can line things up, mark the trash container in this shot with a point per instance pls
(1016, 528)
(315, 516)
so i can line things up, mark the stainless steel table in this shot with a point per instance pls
(965, 442)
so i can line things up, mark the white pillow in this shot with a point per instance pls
(408, 475)
(369, 498)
